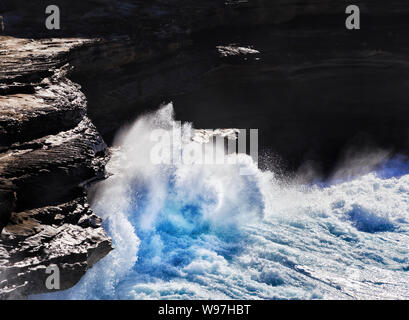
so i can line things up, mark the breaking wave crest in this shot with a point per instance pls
(206, 232)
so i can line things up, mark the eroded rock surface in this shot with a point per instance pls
(69, 236)
(49, 153)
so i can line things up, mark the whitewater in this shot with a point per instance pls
(200, 231)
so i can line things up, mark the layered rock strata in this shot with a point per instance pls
(49, 153)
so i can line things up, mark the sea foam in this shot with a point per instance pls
(203, 231)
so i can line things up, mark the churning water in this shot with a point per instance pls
(206, 232)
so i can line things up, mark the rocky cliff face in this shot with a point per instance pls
(49, 152)
(287, 67)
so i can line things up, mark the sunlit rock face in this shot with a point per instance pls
(49, 152)
(68, 235)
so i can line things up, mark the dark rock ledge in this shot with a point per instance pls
(49, 153)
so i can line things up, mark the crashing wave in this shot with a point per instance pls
(203, 231)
